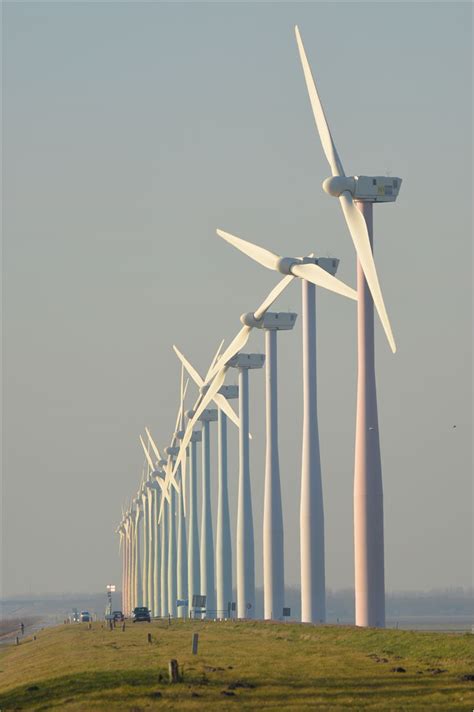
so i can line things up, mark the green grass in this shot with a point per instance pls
(283, 667)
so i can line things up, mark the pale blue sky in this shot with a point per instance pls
(131, 131)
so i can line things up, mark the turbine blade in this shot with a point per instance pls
(183, 396)
(360, 237)
(329, 147)
(273, 296)
(152, 443)
(317, 275)
(222, 403)
(216, 356)
(147, 454)
(162, 504)
(189, 368)
(264, 257)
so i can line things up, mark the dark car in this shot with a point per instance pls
(117, 616)
(141, 614)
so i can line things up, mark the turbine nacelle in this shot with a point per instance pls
(284, 265)
(277, 321)
(374, 189)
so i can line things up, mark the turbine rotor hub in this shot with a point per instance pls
(249, 319)
(285, 264)
(337, 185)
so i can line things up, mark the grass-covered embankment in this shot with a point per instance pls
(250, 665)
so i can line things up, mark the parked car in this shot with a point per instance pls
(117, 616)
(141, 614)
(85, 617)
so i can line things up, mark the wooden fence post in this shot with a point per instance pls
(173, 671)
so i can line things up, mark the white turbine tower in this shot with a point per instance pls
(161, 587)
(176, 556)
(128, 544)
(131, 545)
(312, 271)
(138, 514)
(273, 535)
(193, 528)
(122, 530)
(182, 558)
(357, 194)
(223, 567)
(207, 577)
(145, 540)
(122, 550)
(155, 485)
(245, 537)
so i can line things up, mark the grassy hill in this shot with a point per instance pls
(249, 666)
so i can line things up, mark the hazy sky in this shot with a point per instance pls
(131, 131)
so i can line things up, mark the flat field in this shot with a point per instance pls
(243, 665)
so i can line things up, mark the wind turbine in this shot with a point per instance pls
(312, 272)
(357, 194)
(223, 568)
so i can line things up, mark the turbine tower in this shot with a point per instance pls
(357, 194)
(122, 550)
(160, 598)
(245, 551)
(172, 573)
(123, 530)
(155, 485)
(193, 533)
(145, 543)
(208, 416)
(273, 535)
(312, 271)
(138, 593)
(175, 561)
(223, 537)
